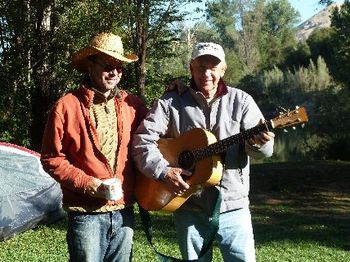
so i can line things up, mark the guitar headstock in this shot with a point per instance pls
(290, 118)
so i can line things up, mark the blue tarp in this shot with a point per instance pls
(28, 195)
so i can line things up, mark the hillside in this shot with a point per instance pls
(320, 20)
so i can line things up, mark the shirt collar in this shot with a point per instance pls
(222, 87)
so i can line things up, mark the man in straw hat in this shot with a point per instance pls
(86, 148)
(208, 103)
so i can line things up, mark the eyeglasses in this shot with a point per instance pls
(109, 67)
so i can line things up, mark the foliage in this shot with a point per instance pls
(150, 23)
(37, 39)
(341, 25)
(289, 87)
(237, 23)
(15, 86)
(278, 31)
(220, 15)
(326, 103)
(320, 42)
(297, 56)
(333, 107)
(235, 70)
(259, 32)
(325, 2)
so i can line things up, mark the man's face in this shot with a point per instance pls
(105, 72)
(206, 71)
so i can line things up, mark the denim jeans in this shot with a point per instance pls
(234, 237)
(101, 236)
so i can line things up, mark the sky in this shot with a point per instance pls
(306, 8)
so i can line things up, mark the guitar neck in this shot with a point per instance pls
(223, 145)
(188, 158)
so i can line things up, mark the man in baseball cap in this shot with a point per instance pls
(212, 106)
(208, 66)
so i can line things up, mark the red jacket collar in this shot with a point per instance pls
(87, 94)
(222, 88)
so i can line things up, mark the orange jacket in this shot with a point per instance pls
(71, 152)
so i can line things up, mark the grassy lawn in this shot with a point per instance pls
(301, 212)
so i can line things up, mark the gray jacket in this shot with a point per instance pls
(229, 114)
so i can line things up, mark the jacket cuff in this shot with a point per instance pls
(163, 174)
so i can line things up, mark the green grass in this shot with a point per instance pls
(301, 212)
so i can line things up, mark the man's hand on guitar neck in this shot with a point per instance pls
(174, 180)
(261, 138)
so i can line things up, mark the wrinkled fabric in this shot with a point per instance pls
(100, 237)
(71, 152)
(229, 114)
(28, 195)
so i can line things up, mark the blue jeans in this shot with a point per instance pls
(101, 236)
(235, 235)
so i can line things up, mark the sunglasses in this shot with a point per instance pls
(109, 67)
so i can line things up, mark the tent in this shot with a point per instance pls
(28, 195)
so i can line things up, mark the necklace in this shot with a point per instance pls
(101, 98)
(101, 113)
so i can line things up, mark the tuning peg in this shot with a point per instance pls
(285, 130)
(294, 127)
(297, 107)
(281, 110)
(302, 125)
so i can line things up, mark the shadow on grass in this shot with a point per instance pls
(163, 229)
(302, 202)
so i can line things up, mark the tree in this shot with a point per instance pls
(221, 17)
(38, 37)
(260, 32)
(278, 32)
(321, 43)
(297, 56)
(150, 25)
(24, 27)
(236, 24)
(341, 41)
(251, 20)
(325, 2)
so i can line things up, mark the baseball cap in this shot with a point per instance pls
(208, 48)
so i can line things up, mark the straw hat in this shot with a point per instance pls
(107, 43)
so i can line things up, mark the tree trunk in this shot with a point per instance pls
(141, 39)
(41, 72)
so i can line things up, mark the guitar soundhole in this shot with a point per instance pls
(186, 160)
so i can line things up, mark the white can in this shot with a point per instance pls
(113, 189)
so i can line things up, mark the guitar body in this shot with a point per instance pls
(154, 195)
(198, 151)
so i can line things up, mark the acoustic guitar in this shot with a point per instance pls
(198, 151)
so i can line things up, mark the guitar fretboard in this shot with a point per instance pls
(188, 158)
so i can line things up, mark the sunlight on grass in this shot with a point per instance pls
(299, 251)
